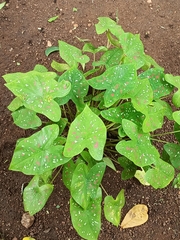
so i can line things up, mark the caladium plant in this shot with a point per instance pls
(86, 119)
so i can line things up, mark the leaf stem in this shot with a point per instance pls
(104, 190)
(56, 174)
(158, 140)
(166, 133)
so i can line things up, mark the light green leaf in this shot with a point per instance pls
(86, 131)
(176, 116)
(112, 208)
(175, 81)
(52, 19)
(36, 194)
(15, 104)
(139, 150)
(37, 154)
(37, 91)
(72, 55)
(89, 47)
(173, 151)
(119, 82)
(109, 163)
(87, 222)
(26, 118)
(59, 67)
(160, 175)
(140, 175)
(40, 68)
(2, 5)
(85, 183)
(79, 88)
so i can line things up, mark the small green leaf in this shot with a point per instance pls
(86, 131)
(87, 222)
(15, 104)
(75, 9)
(112, 208)
(37, 154)
(173, 151)
(85, 183)
(160, 175)
(129, 168)
(112, 57)
(40, 68)
(175, 81)
(109, 163)
(52, 19)
(88, 47)
(59, 67)
(26, 118)
(176, 182)
(50, 50)
(140, 175)
(36, 194)
(2, 5)
(176, 116)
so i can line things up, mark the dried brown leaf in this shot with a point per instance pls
(136, 216)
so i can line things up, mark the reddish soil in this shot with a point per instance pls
(24, 33)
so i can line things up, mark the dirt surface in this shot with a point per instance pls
(24, 35)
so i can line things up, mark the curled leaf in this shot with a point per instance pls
(136, 216)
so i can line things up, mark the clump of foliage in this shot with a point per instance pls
(87, 120)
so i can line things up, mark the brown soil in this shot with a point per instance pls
(24, 32)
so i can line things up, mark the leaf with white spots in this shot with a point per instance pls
(176, 116)
(37, 153)
(72, 55)
(173, 151)
(26, 118)
(86, 131)
(87, 222)
(112, 57)
(85, 183)
(160, 175)
(112, 208)
(79, 88)
(124, 111)
(175, 81)
(139, 150)
(156, 78)
(36, 194)
(68, 170)
(38, 90)
(119, 82)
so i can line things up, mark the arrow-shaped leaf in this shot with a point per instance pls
(37, 153)
(86, 131)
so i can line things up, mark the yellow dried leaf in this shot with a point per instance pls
(136, 216)
(28, 238)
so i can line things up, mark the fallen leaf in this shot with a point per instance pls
(28, 238)
(136, 216)
(27, 220)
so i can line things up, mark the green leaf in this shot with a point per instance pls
(112, 57)
(36, 194)
(15, 104)
(109, 163)
(175, 81)
(173, 151)
(119, 82)
(86, 131)
(87, 222)
(176, 182)
(177, 131)
(85, 183)
(79, 88)
(37, 154)
(88, 47)
(2, 5)
(140, 175)
(112, 208)
(124, 111)
(160, 175)
(37, 91)
(50, 50)
(68, 170)
(40, 68)
(104, 24)
(139, 150)
(133, 49)
(26, 118)
(72, 55)
(176, 116)
(59, 67)
(52, 19)
(156, 78)
(129, 168)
